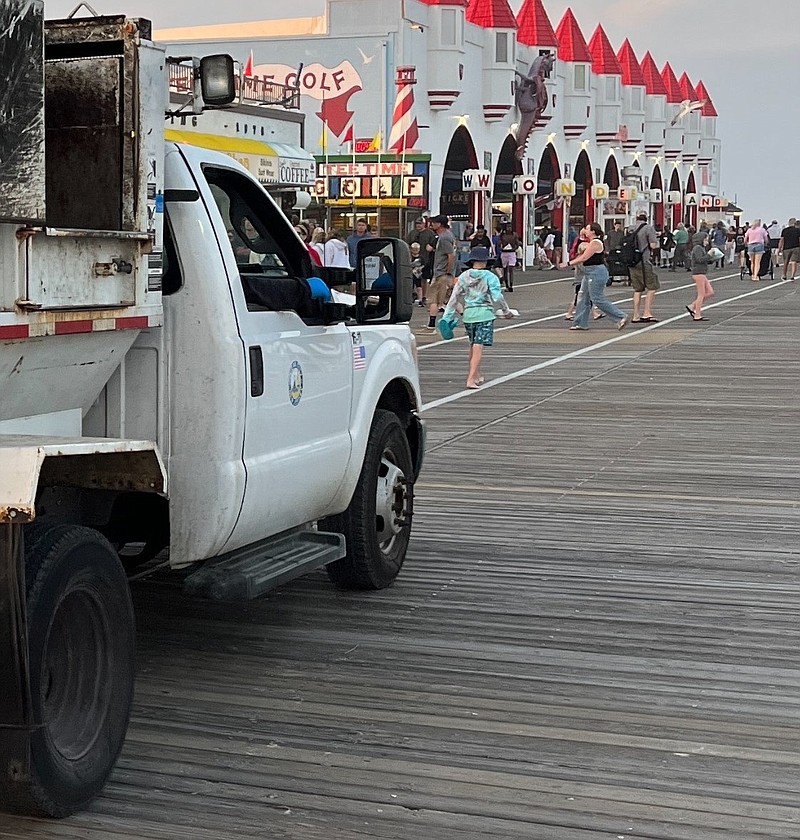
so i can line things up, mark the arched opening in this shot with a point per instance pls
(691, 212)
(657, 183)
(611, 174)
(675, 186)
(453, 201)
(547, 174)
(504, 202)
(582, 207)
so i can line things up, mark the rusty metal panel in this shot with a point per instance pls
(84, 148)
(22, 148)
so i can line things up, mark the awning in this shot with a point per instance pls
(274, 164)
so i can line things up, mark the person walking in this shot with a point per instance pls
(666, 242)
(334, 251)
(361, 232)
(681, 245)
(426, 238)
(477, 291)
(508, 256)
(789, 246)
(730, 245)
(444, 263)
(593, 286)
(719, 238)
(700, 259)
(644, 279)
(756, 239)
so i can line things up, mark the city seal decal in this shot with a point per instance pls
(295, 383)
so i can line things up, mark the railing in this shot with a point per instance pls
(250, 90)
(253, 90)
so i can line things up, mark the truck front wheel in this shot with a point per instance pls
(81, 634)
(377, 524)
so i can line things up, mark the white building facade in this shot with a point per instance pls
(402, 97)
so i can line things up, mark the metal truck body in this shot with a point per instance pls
(172, 375)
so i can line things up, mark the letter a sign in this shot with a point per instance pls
(691, 200)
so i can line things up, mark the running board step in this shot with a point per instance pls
(248, 572)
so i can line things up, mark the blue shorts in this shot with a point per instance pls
(481, 332)
(756, 248)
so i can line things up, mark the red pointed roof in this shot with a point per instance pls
(491, 14)
(631, 69)
(708, 109)
(671, 84)
(571, 45)
(687, 88)
(652, 78)
(604, 60)
(533, 25)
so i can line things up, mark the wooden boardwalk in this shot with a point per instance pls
(596, 634)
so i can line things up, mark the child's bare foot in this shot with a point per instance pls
(474, 384)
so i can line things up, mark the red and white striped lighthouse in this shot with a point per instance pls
(404, 133)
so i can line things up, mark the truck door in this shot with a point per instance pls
(299, 371)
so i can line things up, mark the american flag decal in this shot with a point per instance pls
(360, 357)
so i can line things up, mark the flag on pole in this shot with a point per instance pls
(248, 68)
(377, 142)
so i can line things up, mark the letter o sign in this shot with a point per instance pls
(524, 185)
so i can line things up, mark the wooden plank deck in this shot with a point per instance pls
(596, 634)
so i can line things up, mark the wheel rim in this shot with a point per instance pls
(390, 502)
(77, 680)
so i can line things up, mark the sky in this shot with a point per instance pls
(749, 60)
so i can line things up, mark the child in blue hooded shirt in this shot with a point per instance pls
(478, 293)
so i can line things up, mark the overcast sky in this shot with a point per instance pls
(749, 60)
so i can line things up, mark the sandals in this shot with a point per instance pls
(579, 328)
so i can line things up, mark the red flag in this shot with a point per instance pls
(248, 68)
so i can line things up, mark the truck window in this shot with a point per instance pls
(271, 260)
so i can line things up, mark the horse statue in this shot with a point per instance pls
(530, 97)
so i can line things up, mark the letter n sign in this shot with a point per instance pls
(565, 187)
(524, 185)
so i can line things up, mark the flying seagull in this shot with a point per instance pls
(687, 106)
(364, 57)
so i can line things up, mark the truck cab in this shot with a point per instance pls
(179, 386)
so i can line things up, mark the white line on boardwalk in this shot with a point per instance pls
(582, 351)
(517, 324)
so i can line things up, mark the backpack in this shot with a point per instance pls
(627, 253)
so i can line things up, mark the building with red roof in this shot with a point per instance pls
(457, 66)
(633, 98)
(495, 14)
(608, 89)
(533, 25)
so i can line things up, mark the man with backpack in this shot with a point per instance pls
(637, 249)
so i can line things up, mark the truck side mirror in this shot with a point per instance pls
(217, 80)
(383, 281)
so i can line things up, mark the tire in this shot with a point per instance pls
(377, 524)
(81, 639)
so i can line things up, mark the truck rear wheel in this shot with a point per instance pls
(377, 524)
(81, 638)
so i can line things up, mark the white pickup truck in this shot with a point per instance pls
(174, 374)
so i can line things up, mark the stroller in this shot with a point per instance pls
(617, 271)
(764, 269)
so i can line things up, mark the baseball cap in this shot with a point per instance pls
(642, 217)
(441, 219)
